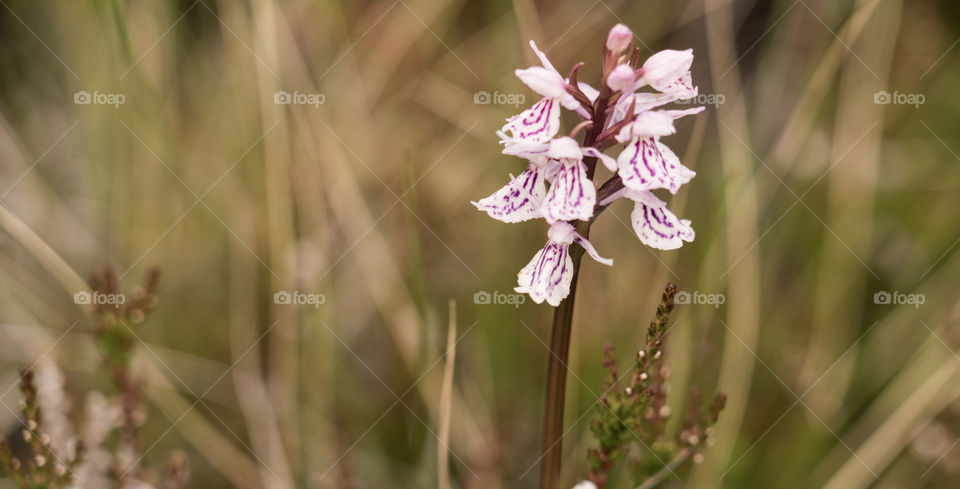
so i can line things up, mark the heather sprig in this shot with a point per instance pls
(636, 415)
(46, 469)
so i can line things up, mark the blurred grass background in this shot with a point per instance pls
(810, 198)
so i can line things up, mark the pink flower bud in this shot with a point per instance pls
(619, 38)
(621, 79)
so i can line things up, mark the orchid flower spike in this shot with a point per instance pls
(548, 275)
(556, 184)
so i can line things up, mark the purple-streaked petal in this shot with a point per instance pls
(547, 277)
(656, 226)
(538, 124)
(518, 201)
(572, 195)
(647, 164)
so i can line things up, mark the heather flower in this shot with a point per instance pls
(547, 277)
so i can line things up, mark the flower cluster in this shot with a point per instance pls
(615, 114)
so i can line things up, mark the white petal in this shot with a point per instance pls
(644, 102)
(547, 277)
(572, 195)
(585, 485)
(518, 201)
(647, 164)
(666, 66)
(659, 228)
(592, 251)
(538, 124)
(608, 161)
(543, 81)
(590, 92)
(543, 57)
(565, 147)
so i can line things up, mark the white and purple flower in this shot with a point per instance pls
(548, 275)
(556, 184)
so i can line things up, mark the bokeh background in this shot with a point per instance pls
(810, 199)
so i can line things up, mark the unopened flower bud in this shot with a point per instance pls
(40, 460)
(664, 411)
(619, 38)
(698, 458)
(621, 79)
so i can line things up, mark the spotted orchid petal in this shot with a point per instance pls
(655, 225)
(536, 125)
(572, 195)
(668, 71)
(548, 275)
(519, 200)
(647, 164)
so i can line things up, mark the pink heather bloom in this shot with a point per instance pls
(548, 275)
(619, 38)
(555, 185)
(621, 79)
